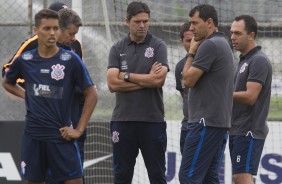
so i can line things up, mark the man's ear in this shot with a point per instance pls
(252, 35)
(210, 22)
(127, 21)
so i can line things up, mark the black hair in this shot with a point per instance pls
(250, 23)
(68, 17)
(137, 7)
(206, 11)
(184, 28)
(45, 14)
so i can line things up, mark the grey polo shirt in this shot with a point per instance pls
(253, 67)
(212, 96)
(181, 88)
(145, 104)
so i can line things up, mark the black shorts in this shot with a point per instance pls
(245, 153)
(202, 154)
(61, 160)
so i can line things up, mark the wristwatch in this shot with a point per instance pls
(191, 55)
(126, 76)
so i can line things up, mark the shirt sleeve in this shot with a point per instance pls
(161, 54)
(81, 75)
(113, 58)
(28, 45)
(205, 56)
(14, 71)
(258, 69)
(178, 75)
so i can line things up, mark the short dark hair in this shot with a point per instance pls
(206, 11)
(250, 23)
(137, 7)
(184, 28)
(45, 14)
(68, 17)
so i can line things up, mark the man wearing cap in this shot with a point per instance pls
(51, 74)
(57, 6)
(70, 43)
(69, 22)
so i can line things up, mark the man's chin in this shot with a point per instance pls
(197, 39)
(141, 33)
(141, 36)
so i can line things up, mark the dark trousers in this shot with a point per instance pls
(128, 138)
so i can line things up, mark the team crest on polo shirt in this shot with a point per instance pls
(27, 56)
(149, 52)
(65, 56)
(115, 137)
(57, 72)
(124, 65)
(23, 165)
(243, 67)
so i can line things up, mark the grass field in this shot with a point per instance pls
(275, 110)
(173, 108)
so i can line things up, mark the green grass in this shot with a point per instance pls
(275, 109)
(173, 108)
(173, 105)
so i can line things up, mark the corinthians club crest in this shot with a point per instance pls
(57, 72)
(149, 52)
(243, 67)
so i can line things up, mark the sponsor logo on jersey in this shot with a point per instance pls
(65, 56)
(124, 65)
(115, 137)
(27, 56)
(44, 71)
(243, 67)
(149, 52)
(41, 89)
(57, 72)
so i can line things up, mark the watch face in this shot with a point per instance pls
(126, 76)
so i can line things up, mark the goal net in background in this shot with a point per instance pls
(166, 18)
(104, 25)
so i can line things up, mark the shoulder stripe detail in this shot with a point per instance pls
(20, 50)
(24, 45)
